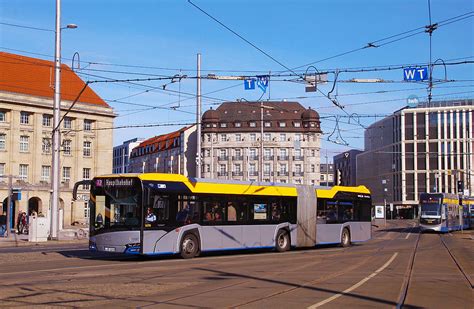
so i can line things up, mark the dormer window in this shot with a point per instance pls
(297, 124)
(238, 124)
(268, 124)
(252, 124)
(223, 125)
(282, 124)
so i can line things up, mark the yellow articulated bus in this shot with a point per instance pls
(153, 214)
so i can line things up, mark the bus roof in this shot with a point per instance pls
(219, 186)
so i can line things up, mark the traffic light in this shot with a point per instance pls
(460, 186)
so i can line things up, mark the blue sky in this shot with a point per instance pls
(167, 35)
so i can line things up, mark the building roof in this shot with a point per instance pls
(158, 143)
(35, 77)
(276, 112)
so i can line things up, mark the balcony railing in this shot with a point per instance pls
(285, 173)
(267, 173)
(237, 173)
(222, 173)
(253, 158)
(253, 173)
(267, 158)
(283, 158)
(298, 158)
(238, 158)
(223, 158)
(298, 173)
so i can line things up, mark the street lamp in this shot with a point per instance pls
(55, 173)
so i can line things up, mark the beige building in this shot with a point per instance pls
(26, 124)
(174, 153)
(232, 142)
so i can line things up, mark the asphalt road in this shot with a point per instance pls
(398, 266)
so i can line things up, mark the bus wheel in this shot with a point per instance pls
(282, 241)
(345, 238)
(189, 246)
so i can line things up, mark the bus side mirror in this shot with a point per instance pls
(76, 186)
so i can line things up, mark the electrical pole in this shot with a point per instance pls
(198, 118)
(327, 170)
(261, 143)
(56, 131)
(9, 201)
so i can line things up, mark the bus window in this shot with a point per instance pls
(346, 211)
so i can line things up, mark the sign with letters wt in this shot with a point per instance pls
(415, 74)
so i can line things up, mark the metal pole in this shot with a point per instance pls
(261, 143)
(56, 133)
(198, 118)
(327, 170)
(9, 201)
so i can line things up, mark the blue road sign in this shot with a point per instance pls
(249, 84)
(415, 74)
(262, 82)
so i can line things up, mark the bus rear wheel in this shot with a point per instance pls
(189, 246)
(345, 238)
(282, 241)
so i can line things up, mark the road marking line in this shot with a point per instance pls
(355, 286)
(409, 233)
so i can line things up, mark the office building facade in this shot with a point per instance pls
(345, 168)
(121, 155)
(288, 150)
(419, 149)
(26, 125)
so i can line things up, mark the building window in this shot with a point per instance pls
(3, 142)
(298, 169)
(2, 169)
(297, 124)
(238, 137)
(313, 152)
(3, 116)
(67, 147)
(313, 168)
(252, 168)
(87, 149)
(66, 174)
(253, 137)
(237, 168)
(23, 173)
(87, 125)
(45, 173)
(238, 153)
(282, 137)
(46, 146)
(223, 125)
(266, 169)
(297, 137)
(238, 124)
(252, 124)
(24, 118)
(267, 137)
(67, 123)
(24, 143)
(207, 152)
(223, 137)
(86, 211)
(47, 120)
(222, 169)
(268, 124)
(86, 175)
(253, 154)
(282, 124)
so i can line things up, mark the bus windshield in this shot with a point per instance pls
(116, 205)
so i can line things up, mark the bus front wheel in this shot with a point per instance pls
(282, 241)
(345, 238)
(189, 246)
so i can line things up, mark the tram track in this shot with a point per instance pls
(409, 271)
(459, 266)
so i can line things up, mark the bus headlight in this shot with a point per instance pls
(92, 246)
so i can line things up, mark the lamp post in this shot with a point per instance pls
(55, 173)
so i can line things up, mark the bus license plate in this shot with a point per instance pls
(109, 249)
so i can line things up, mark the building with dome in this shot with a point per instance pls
(255, 141)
